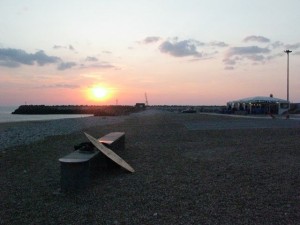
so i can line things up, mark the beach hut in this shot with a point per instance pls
(259, 105)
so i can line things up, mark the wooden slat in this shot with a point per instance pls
(109, 153)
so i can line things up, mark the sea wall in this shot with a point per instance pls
(77, 109)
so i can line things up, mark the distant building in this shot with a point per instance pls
(259, 105)
(140, 105)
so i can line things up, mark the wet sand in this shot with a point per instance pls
(190, 169)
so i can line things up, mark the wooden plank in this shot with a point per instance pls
(78, 157)
(111, 137)
(109, 153)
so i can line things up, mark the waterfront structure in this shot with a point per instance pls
(259, 105)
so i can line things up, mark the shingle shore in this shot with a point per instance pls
(183, 176)
(21, 133)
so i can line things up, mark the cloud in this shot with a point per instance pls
(181, 48)
(93, 62)
(9, 64)
(257, 58)
(229, 61)
(91, 59)
(99, 65)
(218, 44)
(57, 47)
(16, 57)
(275, 56)
(67, 86)
(151, 39)
(260, 39)
(246, 50)
(293, 46)
(254, 54)
(69, 47)
(41, 58)
(277, 44)
(297, 53)
(229, 68)
(104, 66)
(66, 65)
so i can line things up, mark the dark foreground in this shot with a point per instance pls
(216, 175)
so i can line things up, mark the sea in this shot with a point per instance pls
(6, 116)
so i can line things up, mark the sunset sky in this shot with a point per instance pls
(191, 52)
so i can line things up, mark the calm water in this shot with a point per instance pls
(6, 116)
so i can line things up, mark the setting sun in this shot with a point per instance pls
(99, 92)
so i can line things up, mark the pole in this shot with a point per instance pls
(288, 82)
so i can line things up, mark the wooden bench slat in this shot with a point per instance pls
(78, 157)
(111, 137)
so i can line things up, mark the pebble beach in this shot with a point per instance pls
(190, 169)
(20, 133)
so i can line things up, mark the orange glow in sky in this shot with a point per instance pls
(184, 53)
(98, 94)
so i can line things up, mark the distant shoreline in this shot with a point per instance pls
(19, 118)
(76, 109)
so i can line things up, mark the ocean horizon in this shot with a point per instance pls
(6, 116)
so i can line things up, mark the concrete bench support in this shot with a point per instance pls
(77, 167)
(75, 170)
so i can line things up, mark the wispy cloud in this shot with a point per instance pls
(275, 55)
(151, 39)
(69, 47)
(181, 48)
(66, 86)
(91, 59)
(254, 54)
(246, 50)
(260, 39)
(293, 46)
(16, 57)
(297, 53)
(58, 47)
(277, 44)
(218, 44)
(9, 64)
(229, 61)
(99, 65)
(185, 48)
(229, 68)
(66, 65)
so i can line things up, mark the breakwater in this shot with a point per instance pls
(113, 110)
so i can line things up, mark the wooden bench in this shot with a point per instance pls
(78, 166)
(114, 141)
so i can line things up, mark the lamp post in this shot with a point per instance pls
(287, 83)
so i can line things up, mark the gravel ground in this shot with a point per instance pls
(183, 176)
(20, 133)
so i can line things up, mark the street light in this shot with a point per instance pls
(287, 83)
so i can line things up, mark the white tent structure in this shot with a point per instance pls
(259, 105)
